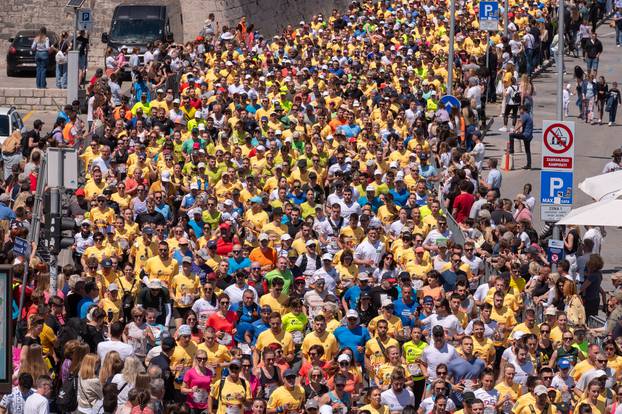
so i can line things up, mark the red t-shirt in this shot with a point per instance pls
(463, 203)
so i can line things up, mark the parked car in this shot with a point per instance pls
(10, 121)
(21, 59)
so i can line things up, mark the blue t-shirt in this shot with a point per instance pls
(460, 368)
(258, 327)
(353, 295)
(83, 306)
(234, 265)
(400, 197)
(527, 122)
(351, 338)
(404, 311)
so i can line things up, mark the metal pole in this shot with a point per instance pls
(75, 29)
(560, 62)
(556, 236)
(55, 200)
(33, 235)
(505, 18)
(452, 32)
(487, 49)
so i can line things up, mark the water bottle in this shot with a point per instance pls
(507, 407)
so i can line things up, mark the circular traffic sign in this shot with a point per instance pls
(558, 138)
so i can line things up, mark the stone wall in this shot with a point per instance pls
(269, 16)
(33, 99)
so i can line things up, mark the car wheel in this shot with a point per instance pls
(11, 71)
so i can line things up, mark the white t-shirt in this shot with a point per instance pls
(369, 251)
(36, 404)
(427, 405)
(450, 323)
(489, 328)
(124, 350)
(475, 264)
(523, 371)
(235, 293)
(433, 357)
(489, 398)
(399, 401)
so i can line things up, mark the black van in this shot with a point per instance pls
(137, 25)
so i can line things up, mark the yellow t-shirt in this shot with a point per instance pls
(228, 395)
(184, 289)
(142, 253)
(581, 368)
(156, 268)
(375, 354)
(182, 359)
(109, 305)
(395, 324)
(276, 304)
(382, 410)
(281, 396)
(326, 341)
(513, 391)
(216, 354)
(267, 337)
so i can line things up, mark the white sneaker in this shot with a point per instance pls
(610, 123)
(503, 129)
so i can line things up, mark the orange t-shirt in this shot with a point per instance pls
(263, 258)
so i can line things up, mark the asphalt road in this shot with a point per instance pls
(594, 143)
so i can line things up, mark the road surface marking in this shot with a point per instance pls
(28, 115)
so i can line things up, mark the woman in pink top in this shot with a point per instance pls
(197, 382)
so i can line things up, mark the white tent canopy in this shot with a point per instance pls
(600, 213)
(602, 187)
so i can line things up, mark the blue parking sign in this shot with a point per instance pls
(556, 187)
(488, 15)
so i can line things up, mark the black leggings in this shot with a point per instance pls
(510, 109)
(418, 390)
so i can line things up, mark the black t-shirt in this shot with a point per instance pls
(71, 304)
(311, 393)
(152, 218)
(377, 293)
(83, 44)
(157, 302)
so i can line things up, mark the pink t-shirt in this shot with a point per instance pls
(203, 382)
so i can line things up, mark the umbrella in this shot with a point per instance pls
(600, 213)
(603, 186)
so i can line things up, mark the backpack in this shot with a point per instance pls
(304, 260)
(515, 96)
(127, 301)
(67, 399)
(74, 328)
(222, 385)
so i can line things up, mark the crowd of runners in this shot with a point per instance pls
(297, 224)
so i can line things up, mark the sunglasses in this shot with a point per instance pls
(201, 359)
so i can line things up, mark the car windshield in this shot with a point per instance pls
(4, 126)
(135, 30)
(23, 41)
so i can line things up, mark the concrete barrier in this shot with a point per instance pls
(33, 99)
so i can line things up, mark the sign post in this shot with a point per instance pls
(489, 16)
(557, 175)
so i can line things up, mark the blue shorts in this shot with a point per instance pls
(592, 63)
(82, 61)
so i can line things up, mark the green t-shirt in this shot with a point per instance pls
(286, 276)
(295, 325)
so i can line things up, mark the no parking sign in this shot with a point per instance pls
(555, 251)
(556, 177)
